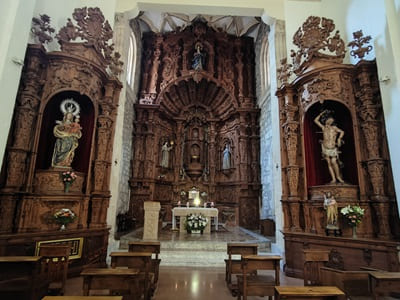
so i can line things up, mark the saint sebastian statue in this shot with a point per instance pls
(332, 140)
(67, 132)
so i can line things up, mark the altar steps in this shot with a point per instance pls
(197, 250)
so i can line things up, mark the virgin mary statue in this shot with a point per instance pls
(68, 132)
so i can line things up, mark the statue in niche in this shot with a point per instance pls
(166, 147)
(195, 151)
(330, 205)
(226, 157)
(332, 140)
(68, 132)
(198, 58)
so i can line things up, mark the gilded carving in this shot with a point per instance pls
(41, 29)
(293, 180)
(359, 41)
(326, 86)
(376, 170)
(291, 132)
(315, 36)
(284, 71)
(47, 182)
(16, 165)
(371, 131)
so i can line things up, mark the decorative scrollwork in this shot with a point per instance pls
(41, 29)
(313, 37)
(92, 27)
(358, 43)
(284, 71)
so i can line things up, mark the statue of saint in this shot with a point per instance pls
(332, 140)
(331, 207)
(68, 132)
(165, 155)
(198, 58)
(226, 157)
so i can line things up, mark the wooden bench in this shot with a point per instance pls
(121, 280)
(21, 278)
(55, 266)
(352, 283)
(307, 292)
(314, 259)
(251, 282)
(82, 298)
(152, 247)
(233, 266)
(140, 261)
(384, 283)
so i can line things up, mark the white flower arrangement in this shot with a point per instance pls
(195, 222)
(353, 214)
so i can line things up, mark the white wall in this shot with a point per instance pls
(15, 21)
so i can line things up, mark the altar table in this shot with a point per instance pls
(184, 211)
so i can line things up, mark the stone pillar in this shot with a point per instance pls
(151, 212)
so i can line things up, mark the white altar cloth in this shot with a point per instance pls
(184, 211)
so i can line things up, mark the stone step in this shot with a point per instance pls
(196, 250)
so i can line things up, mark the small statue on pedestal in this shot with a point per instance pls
(331, 207)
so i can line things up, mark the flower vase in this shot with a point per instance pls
(62, 228)
(196, 231)
(354, 232)
(66, 186)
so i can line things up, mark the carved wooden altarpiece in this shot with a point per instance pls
(197, 97)
(31, 190)
(351, 93)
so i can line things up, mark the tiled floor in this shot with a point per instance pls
(185, 283)
(198, 250)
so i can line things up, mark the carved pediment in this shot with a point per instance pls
(314, 41)
(92, 28)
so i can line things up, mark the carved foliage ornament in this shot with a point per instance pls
(91, 27)
(41, 29)
(284, 71)
(358, 43)
(315, 36)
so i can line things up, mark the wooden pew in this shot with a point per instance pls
(140, 261)
(352, 283)
(307, 292)
(152, 247)
(125, 280)
(55, 266)
(82, 298)
(251, 282)
(21, 278)
(233, 266)
(314, 259)
(384, 283)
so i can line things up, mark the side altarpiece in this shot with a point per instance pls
(82, 74)
(197, 124)
(350, 95)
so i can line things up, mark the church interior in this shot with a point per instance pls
(200, 149)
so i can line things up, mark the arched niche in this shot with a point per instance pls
(51, 114)
(316, 167)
